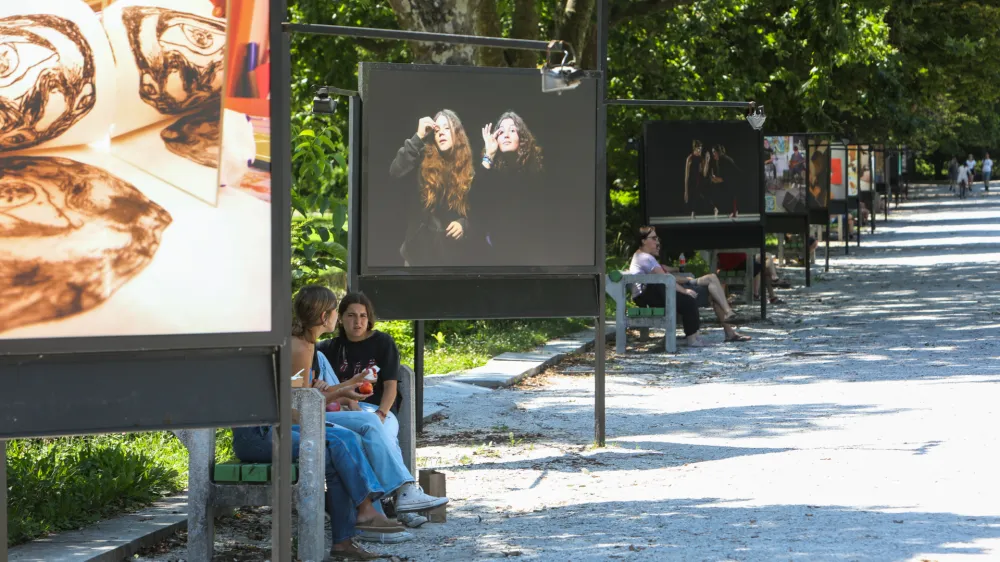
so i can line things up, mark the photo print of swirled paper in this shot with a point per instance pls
(114, 141)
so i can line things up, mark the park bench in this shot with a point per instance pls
(644, 318)
(736, 278)
(234, 484)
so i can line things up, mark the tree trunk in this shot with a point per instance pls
(576, 24)
(524, 26)
(488, 25)
(439, 16)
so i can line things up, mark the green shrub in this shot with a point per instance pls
(59, 484)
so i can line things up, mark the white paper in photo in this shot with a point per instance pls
(207, 275)
(33, 60)
(132, 111)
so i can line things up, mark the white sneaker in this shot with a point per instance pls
(384, 538)
(411, 497)
(411, 520)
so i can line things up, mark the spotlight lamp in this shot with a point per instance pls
(565, 75)
(322, 102)
(755, 116)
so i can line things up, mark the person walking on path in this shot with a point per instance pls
(987, 172)
(953, 173)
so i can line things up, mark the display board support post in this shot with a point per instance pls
(600, 337)
(418, 372)
(805, 250)
(827, 269)
(765, 280)
(847, 229)
(3, 500)
(281, 466)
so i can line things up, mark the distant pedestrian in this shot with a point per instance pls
(953, 173)
(970, 165)
(987, 171)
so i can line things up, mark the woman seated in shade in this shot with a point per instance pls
(691, 292)
(352, 488)
(378, 439)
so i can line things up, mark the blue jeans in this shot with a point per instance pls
(349, 478)
(379, 443)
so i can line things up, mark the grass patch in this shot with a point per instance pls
(70, 482)
(454, 346)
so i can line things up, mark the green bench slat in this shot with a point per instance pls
(615, 276)
(659, 311)
(633, 312)
(234, 473)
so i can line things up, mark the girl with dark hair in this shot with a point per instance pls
(352, 488)
(441, 158)
(361, 351)
(512, 203)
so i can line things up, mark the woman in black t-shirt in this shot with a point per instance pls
(357, 347)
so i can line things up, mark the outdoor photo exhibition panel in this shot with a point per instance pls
(478, 193)
(701, 185)
(143, 252)
(785, 174)
(785, 170)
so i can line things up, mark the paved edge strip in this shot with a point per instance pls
(112, 540)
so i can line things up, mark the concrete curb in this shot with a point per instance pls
(503, 371)
(109, 541)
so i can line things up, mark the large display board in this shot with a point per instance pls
(819, 173)
(475, 169)
(701, 171)
(839, 173)
(135, 176)
(784, 174)
(864, 168)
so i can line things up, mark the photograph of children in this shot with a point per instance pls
(819, 173)
(702, 170)
(784, 174)
(476, 167)
(838, 173)
(864, 168)
(124, 166)
(852, 171)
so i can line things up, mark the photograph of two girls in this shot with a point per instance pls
(476, 167)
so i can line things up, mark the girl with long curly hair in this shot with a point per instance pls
(441, 158)
(511, 199)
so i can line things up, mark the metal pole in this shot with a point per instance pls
(675, 103)
(805, 252)
(600, 340)
(281, 169)
(418, 372)
(827, 241)
(427, 37)
(3, 500)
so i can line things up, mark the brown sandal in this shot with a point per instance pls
(738, 338)
(380, 526)
(354, 552)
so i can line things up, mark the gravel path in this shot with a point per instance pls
(859, 424)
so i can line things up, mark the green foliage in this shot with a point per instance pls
(57, 484)
(457, 345)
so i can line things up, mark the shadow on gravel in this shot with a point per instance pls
(713, 529)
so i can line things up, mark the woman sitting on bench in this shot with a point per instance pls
(350, 480)
(691, 292)
(378, 436)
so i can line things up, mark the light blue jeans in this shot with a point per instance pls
(379, 443)
(349, 477)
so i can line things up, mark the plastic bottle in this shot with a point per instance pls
(681, 262)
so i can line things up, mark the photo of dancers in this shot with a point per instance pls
(496, 174)
(701, 170)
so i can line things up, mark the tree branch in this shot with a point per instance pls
(634, 10)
